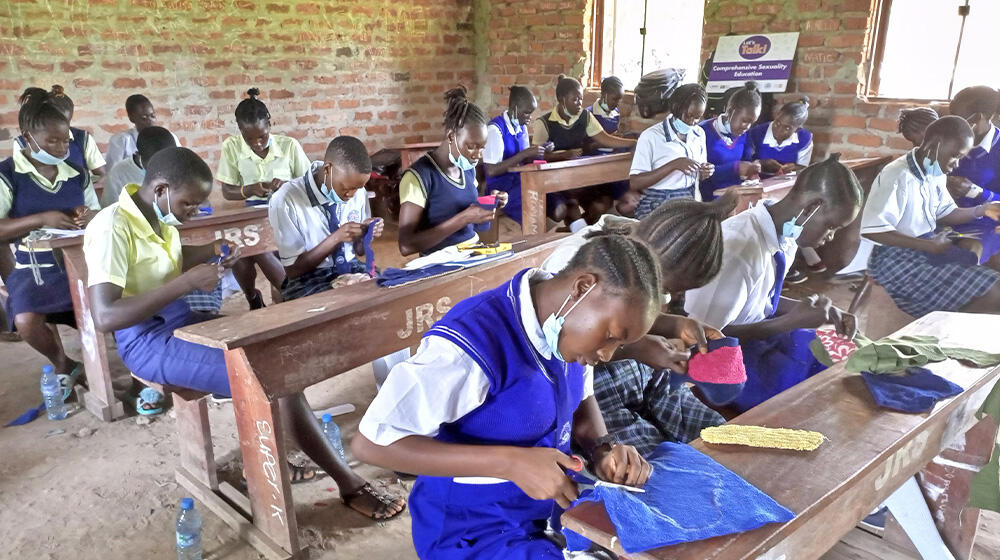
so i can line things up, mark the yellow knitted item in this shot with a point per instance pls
(759, 436)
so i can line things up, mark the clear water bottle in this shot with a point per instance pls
(332, 432)
(188, 531)
(52, 393)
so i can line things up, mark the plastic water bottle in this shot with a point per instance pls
(52, 393)
(332, 432)
(188, 531)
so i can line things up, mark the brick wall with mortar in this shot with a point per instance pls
(371, 68)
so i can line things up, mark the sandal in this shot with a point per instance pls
(149, 402)
(68, 381)
(385, 502)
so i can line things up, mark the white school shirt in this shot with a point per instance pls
(441, 383)
(493, 153)
(656, 148)
(123, 173)
(297, 215)
(124, 144)
(805, 153)
(904, 199)
(741, 293)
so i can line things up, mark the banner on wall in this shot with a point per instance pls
(765, 58)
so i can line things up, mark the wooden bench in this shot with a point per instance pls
(246, 227)
(284, 348)
(540, 179)
(870, 452)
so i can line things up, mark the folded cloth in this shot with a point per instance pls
(392, 277)
(688, 497)
(917, 390)
(892, 355)
(720, 374)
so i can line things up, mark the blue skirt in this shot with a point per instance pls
(775, 364)
(653, 198)
(454, 521)
(52, 297)
(152, 352)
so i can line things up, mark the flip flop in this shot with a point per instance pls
(68, 381)
(385, 501)
(152, 397)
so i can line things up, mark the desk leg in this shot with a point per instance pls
(264, 452)
(100, 398)
(533, 211)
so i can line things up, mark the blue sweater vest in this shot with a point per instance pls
(609, 124)
(983, 169)
(509, 183)
(445, 199)
(789, 154)
(531, 400)
(566, 138)
(725, 156)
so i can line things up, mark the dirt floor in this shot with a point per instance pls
(84, 489)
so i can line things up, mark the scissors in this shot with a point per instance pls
(585, 480)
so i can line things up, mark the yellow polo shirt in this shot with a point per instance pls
(121, 248)
(239, 165)
(540, 134)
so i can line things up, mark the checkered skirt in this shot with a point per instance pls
(919, 286)
(653, 198)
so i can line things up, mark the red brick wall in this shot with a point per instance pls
(531, 42)
(371, 68)
(832, 36)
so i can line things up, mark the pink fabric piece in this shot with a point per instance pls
(838, 347)
(722, 365)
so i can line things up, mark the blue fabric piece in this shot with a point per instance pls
(28, 416)
(918, 390)
(689, 497)
(367, 242)
(780, 267)
(530, 403)
(953, 255)
(775, 364)
(398, 276)
(717, 394)
(575, 542)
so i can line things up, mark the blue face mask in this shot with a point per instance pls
(330, 194)
(604, 106)
(726, 126)
(552, 327)
(169, 219)
(41, 156)
(931, 166)
(792, 230)
(461, 161)
(681, 127)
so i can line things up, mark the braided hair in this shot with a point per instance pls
(685, 96)
(251, 110)
(913, 122)
(611, 84)
(687, 237)
(39, 109)
(746, 97)
(62, 101)
(461, 111)
(624, 265)
(798, 110)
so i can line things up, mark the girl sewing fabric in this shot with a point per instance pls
(438, 193)
(39, 188)
(252, 166)
(670, 157)
(745, 300)
(486, 411)
(782, 145)
(726, 141)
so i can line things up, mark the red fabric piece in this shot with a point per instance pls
(722, 365)
(838, 347)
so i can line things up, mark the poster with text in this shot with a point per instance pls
(764, 58)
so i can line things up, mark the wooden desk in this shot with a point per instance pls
(246, 227)
(869, 453)
(409, 153)
(284, 348)
(537, 180)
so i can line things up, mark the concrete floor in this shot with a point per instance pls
(84, 489)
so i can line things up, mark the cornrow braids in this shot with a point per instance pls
(566, 85)
(38, 110)
(834, 182)
(625, 265)
(461, 111)
(611, 84)
(916, 119)
(684, 96)
(798, 110)
(252, 110)
(687, 237)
